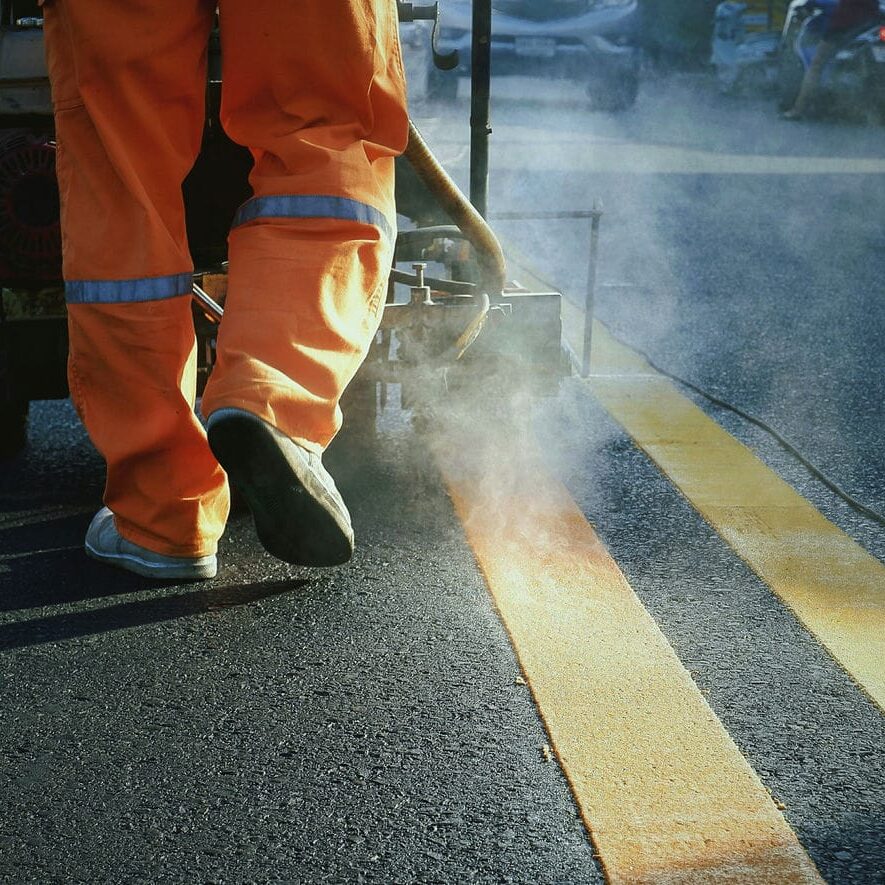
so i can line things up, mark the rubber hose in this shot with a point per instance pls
(460, 210)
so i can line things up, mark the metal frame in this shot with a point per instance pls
(480, 101)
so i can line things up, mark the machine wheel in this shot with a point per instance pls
(789, 79)
(14, 424)
(615, 95)
(441, 85)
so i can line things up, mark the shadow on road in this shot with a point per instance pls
(134, 613)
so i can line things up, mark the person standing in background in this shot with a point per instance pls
(847, 15)
(316, 91)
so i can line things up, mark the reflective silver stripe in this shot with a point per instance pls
(124, 291)
(305, 206)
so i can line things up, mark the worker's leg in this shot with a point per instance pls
(811, 80)
(316, 90)
(129, 91)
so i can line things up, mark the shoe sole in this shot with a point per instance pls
(153, 570)
(296, 518)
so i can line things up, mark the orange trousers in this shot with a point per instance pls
(315, 89)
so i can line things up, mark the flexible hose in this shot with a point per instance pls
(460, 210)
(779, 438)
(474, 327)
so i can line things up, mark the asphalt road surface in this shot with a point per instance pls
(412, 717)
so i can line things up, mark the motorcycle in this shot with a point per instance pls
(854, 76)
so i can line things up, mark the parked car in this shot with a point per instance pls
(595, 42)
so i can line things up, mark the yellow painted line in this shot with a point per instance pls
(834, 586)
(517, 149)
(663, 790)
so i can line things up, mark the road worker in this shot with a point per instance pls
(315, 89)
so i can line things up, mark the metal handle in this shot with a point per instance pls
(409, 12)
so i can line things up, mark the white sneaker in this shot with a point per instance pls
(106, 544)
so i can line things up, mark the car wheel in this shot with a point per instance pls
(790, 74)
(441, 85)
(14, 424)
(615, 95)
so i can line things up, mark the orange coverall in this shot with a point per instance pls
(315, 89)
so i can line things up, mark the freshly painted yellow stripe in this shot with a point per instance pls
(835, 588)
(665, 793)
(580, 152)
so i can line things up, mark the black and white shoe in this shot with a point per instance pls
(299, 514)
